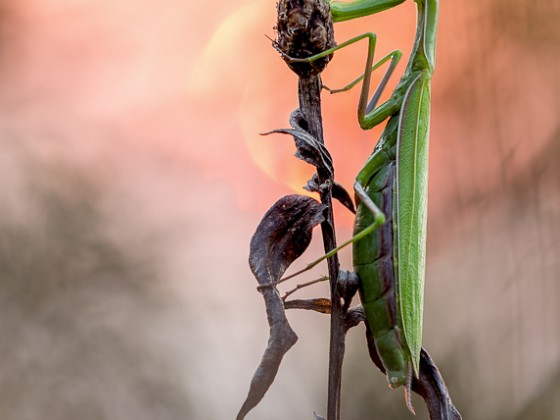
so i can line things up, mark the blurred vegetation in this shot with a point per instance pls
(89, 330)
(79, 312)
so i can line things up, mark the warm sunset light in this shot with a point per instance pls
(263, 107)
(133, 175)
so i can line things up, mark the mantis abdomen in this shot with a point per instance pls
(374, 264)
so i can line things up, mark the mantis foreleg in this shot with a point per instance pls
(365, 107)
(342, 11)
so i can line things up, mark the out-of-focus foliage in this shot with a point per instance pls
(124, 286)
(81, 314)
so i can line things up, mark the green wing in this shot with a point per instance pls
(411, 209)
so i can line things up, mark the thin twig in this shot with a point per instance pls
(302, 285)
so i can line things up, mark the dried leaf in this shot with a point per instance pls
(321, 305)
(312, 184)
(429, 385)
(348, 283)
(354, 316)
(282, 236)
(309, 149)
(340, 193)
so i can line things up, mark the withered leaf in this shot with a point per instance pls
(348, 283)
(432, 388)
(340, 193)
(281, 237)
(309, 149)
(321, 305)
(429, 385)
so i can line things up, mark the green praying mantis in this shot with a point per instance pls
(389, 243)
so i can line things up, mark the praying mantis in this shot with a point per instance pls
(389, 242)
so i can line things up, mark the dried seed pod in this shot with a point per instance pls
(304, 28)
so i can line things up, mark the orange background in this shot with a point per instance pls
(133, 176)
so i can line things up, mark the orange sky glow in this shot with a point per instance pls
(151, 112)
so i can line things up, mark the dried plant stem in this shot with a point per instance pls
(309, 91)
(303, 285)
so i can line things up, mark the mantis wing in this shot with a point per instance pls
(411, 210)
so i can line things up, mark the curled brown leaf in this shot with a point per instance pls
(281, 237)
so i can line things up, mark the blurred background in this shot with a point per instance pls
(132, 177)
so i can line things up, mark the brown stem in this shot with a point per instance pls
(302, 285)
(309, 92)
